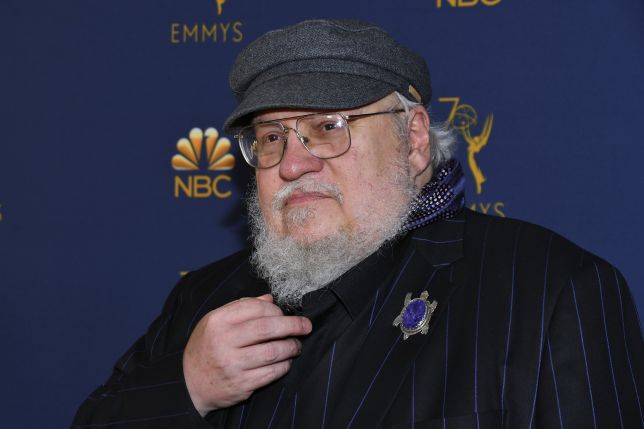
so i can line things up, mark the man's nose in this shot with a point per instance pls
(297, 160)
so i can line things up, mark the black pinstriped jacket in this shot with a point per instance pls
(530, 331)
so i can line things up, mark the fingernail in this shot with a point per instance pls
(307, 325)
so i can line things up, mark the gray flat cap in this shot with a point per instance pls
(321, 64)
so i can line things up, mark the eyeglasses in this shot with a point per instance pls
(324, 135)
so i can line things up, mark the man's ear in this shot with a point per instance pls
(419, 150)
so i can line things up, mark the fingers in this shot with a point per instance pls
(269, 353)
(264, 375)
(238, 348)
(257, 320)
(264, 329)
(249, 308)
(241, 387)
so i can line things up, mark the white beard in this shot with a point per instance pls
(293, 267)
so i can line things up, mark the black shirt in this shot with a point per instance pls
(318, 371)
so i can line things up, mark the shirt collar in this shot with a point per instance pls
(358, 286)
(441, 199)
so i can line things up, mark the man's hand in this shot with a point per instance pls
(238, 348)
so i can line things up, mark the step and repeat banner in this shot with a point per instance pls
(116, 176)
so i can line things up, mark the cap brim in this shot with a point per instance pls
(308, 91)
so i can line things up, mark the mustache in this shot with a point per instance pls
(306, 186)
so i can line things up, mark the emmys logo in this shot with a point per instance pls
(464, 119)
(191, 159)
(206, 32)
(220, 6)
(467, 3)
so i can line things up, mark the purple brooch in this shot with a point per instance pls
(415, 315)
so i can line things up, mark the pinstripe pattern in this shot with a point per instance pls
(446, 365)
(554, 381)
(527, 333)
(373, 308)
(241, 416)
(328, 386)
(393, 287)
(583, 348)
(507, 342)
(294, 409)
(156, 337)
(608, 348)
(429, 280)
(476, 331)
(541, 331)
(364, 396)
(628, 354)
(279, 399)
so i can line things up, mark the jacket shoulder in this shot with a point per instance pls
(524, 241)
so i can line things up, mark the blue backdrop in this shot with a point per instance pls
(96, 222)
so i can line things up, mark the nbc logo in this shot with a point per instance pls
(190, 158)
(467, 3)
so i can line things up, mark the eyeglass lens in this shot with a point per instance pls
(323, 135)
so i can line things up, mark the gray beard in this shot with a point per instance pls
(293, 267)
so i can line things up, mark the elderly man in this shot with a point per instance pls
(371, 297)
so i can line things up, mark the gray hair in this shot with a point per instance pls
(442, 140)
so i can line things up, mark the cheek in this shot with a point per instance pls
(375, 155)
(362, 182)
(266, 189)
(366, 170)
(356, 177)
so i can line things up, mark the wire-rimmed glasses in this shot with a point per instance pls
(324, 135)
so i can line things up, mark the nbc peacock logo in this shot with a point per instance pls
(202, 151)
(467, 3)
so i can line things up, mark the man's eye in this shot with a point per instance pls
(271, 138)
(328, 126)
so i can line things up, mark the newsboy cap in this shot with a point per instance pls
(322, 64)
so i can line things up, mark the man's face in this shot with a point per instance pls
(344, 194)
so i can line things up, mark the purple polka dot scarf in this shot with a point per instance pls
(441, 198)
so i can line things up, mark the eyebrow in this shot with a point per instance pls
(348, 116)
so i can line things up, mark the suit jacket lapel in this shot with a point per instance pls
(385, 358)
